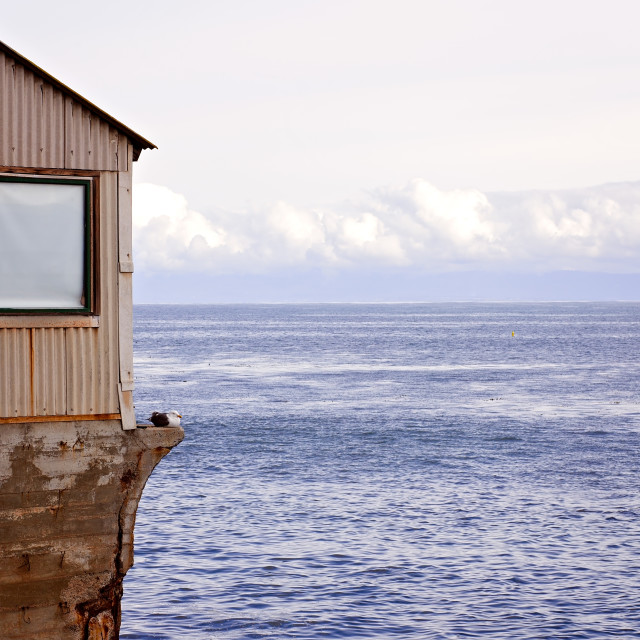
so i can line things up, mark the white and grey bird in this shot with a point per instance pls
(169, 419)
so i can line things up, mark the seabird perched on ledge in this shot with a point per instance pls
(169, 419)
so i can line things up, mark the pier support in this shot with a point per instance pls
(69, 492)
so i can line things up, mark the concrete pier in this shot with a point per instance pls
(69, 492)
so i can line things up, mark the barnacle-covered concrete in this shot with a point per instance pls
(68, 498)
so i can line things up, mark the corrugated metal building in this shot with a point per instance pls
(72, 462)
(61, 362)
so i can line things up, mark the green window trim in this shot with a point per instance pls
(84, 263)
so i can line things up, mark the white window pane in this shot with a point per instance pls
(41, 245)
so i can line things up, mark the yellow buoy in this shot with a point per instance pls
(513, 334)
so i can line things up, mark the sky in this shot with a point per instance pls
(366, 150)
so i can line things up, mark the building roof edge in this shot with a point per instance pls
(138, 141)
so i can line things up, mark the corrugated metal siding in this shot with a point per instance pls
(92, 354)
(22, 115)
(81, 374)
(11, 95)
(90, 143)
(52, 153)
(49, 374)
(43, 128)
(70, 371)
(76, 370)
(15, 372)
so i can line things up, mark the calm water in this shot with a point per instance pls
(390, 471)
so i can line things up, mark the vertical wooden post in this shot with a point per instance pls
(125, 293)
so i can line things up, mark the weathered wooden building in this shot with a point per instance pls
(72, 463)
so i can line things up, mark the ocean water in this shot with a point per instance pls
(390, 471)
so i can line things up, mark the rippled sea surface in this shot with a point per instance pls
(390, 471)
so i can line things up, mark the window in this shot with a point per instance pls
(45, 245)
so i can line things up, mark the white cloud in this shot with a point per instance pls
(167, 234)
(417, 226)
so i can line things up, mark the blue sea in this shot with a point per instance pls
(410, 471)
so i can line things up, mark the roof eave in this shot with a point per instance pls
(139, 143)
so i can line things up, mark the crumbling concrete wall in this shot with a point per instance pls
(68, 498)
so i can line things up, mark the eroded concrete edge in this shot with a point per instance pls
(68, 499)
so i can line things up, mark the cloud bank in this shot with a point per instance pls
(415, 227)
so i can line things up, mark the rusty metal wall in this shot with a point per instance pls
(43, 128)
